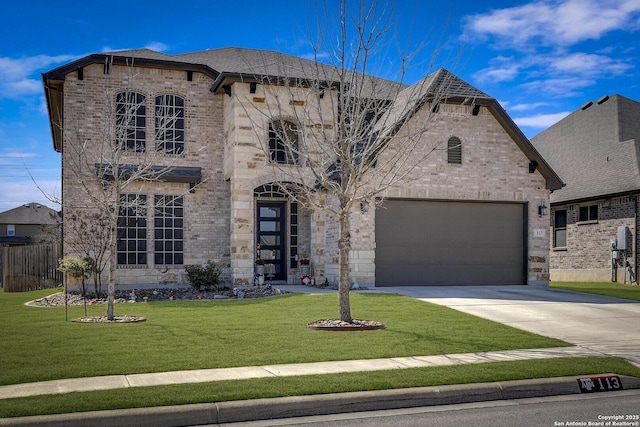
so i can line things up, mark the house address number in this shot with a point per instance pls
(603, 383)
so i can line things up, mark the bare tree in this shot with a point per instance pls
(342, 136)
(113, 170)
(88, 235)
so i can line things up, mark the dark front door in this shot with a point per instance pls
(271, 238)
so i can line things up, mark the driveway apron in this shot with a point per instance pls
(603, 324)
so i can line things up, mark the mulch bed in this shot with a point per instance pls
(339, 325)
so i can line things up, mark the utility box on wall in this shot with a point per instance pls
(623, 237)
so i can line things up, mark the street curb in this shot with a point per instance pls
(300, 406)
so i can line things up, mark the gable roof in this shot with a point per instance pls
(30, 213)
(268, 66)
(224, 65)
(595, 149)
(443, 86)
(227, 65)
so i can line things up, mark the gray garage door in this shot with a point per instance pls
(420, 243)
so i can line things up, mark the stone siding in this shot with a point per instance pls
(493, 169)
(227, 136)
(87, 120)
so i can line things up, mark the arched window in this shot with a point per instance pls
(131, 121)
(283, 142)
(169, 118)
(454, 151)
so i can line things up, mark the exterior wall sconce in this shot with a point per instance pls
(364, 206)
(542, 209)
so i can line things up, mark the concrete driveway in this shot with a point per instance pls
(604, 324)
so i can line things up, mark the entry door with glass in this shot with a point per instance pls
(271, 238)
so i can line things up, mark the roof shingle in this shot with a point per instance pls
(595, 150)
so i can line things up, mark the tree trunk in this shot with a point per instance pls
(113, 246)
(343, 249)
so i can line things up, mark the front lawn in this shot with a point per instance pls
(618, 290)
(38, 344)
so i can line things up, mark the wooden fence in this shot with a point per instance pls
(28, 268)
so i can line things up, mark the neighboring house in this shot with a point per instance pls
(468, 215)
(595, 151)
(29, 224)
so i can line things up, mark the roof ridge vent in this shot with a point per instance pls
(602, 100)
(587, 105)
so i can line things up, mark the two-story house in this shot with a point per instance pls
(29, 224)
(474, 212)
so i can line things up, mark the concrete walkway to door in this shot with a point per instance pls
(607, 325)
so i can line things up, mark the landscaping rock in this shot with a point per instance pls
(150, 295)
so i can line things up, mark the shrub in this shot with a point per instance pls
(204, 277)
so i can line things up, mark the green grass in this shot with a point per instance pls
(631, 292)
(38, 344)
(315, 384)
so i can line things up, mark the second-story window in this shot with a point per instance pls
(169, 121)
(283, 142)
(131, 121)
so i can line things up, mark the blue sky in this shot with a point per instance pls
(541, 59)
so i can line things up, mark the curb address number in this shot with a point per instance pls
(603, 383)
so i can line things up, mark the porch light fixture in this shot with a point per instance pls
(364, 206)
(542, 209)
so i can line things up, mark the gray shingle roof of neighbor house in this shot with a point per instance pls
(230, 64)
(596, 150)
(29, 213)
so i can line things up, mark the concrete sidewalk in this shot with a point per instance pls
(241, 373)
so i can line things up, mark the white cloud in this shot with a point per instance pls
(563, 86)
(528, 107)
(17, 75)
(497, 74)
(157, 46)
(588, 64)
(541, 121)
(13, 159)
(554, 23)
